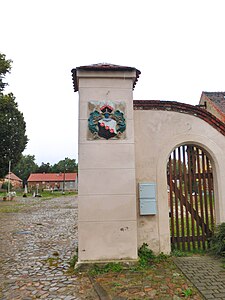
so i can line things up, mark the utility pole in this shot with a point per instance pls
(9, 180)
(64, 176)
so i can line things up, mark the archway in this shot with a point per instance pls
(191, 197)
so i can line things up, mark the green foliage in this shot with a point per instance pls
(12, 125)
(106, 268)
(12, 133)
(160, 257)
(217, 242)
(179, 253)
(5, 67)
(146, 255)
(53, 261)
(147, 259)
(116, 284)
(187, 293)
(11, 208)
(67, 165)
(5, 186)
(44, 168)
(25, 167)
(223, 264)
(73, 261)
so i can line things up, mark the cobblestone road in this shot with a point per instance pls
(206, 273)
(37, 240)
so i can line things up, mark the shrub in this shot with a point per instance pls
(146, 255)
(5, 185)
(217, 242)
(73, 261)
(105, 268)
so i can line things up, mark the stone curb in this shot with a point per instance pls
(101, 292)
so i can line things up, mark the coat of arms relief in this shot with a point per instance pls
(106, 120)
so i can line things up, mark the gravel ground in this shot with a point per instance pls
(38, 238)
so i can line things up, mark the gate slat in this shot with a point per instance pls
(210, 187)
(200, 198)
(171, 200)
(186, 197)
(176, 198)
(181, 196)
(195, 195)
(205, 193)
(189, 149)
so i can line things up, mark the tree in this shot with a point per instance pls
(25, 167)
(5, 67)
(67, 165)
(44, 168)
(12, 125)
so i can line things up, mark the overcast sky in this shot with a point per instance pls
(177, 45)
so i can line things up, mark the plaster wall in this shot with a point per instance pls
(107, 222)
(157, 133)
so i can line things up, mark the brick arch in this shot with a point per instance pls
(181, 108)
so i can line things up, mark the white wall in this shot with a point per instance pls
(107, 226)
(157, 133)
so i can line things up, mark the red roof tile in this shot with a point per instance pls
(52, 177)
(13, 177)
(218, 98)
(102, 67)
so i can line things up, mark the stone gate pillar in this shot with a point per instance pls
(107, 226)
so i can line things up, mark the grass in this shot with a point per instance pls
(113, 267)
(73, 261)
(16, 207)
(44, 194)
(152, 277)
(191, 227)
(53, 261)
(146, 260)
(187, 293)
(158, 279)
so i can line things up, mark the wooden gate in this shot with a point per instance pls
(191, 198)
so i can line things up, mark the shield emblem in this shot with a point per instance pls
(105, 121)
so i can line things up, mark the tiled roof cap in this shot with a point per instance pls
(218, 98)
(102, 67)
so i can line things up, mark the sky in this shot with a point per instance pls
(177, 45)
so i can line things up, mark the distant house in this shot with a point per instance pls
(214, 103)
(54, 181)
(15, 181)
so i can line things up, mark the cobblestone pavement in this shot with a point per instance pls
(37, 240)
(206, 273)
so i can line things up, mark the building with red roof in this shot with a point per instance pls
(54, 181)
(15, 181)
(214, 102)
